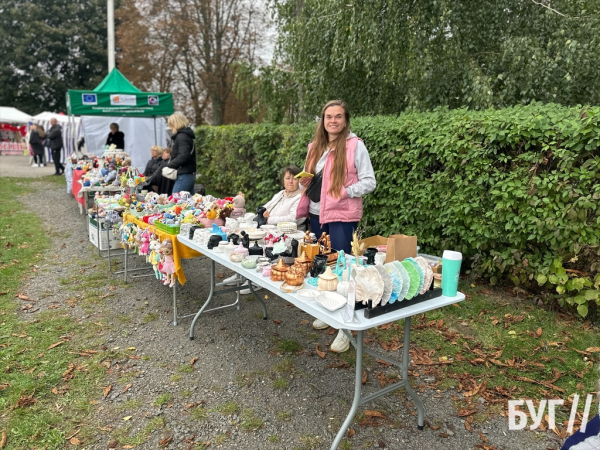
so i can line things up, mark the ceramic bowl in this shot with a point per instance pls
(236, 257)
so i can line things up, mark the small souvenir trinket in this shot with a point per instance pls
(236, 257)
(278, 271)
(327, 281)
(249, 263)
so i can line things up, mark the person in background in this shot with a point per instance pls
(55, 141)
(343, 174)
(36, 139)
(183, 155)
(283, 206)
(152, 165)
(163, 184)
(116, 137)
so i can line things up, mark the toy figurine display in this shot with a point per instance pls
(168, 265)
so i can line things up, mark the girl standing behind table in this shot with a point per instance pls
(343, 174)
(36, 140)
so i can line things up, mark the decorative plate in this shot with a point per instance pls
(369, 286)
(404, 278)
(421, 273)
(428, 273)
(291, 289)
(330, 300)
(414, 279)
(309, 294)
(392, 270)
(387, 284)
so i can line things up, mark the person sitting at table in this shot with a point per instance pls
(163, 184)
(116, 137)
(282, 207)
(152, 166)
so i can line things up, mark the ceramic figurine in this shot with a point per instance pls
(239, 203)
(241, 250)
(236, 257)
(260, 219)
(278, 271)
(295, 275)
(328, 281)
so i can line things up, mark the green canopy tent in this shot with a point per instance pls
(115, 99)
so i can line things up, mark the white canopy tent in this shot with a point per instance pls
(13, 115)
(140, 134)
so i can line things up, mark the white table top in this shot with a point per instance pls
(332, 318)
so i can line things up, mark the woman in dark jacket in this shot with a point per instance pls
(36, 139)
(183, 155)
(116, 137)
(152, 166)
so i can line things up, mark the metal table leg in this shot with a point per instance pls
(359, 399)
(213, 293)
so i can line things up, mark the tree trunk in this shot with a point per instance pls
(218, 110)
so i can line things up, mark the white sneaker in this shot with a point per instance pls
(248, 291)
(319, 325)
(35, 165)
(233, 279)
(341, 343)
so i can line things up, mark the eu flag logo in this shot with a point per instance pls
(89, 99)
(153, 100)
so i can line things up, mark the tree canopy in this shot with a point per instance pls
(384, 56)
(48, 47)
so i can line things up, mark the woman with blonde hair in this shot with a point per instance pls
(152, 166)
(342, 175)
(183, 155)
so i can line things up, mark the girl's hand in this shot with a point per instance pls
(305, 181)
(266, 214)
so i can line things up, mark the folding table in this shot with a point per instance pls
(334, 319)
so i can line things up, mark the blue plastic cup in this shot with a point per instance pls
(451, 262)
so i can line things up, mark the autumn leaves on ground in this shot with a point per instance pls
(493, 347)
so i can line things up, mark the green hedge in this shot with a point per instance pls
(515, 190)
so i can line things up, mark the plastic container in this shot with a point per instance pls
(451, 262)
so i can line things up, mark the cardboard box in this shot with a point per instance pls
(399, 246)
(112, 239)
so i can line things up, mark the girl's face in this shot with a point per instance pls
(165, 155)
(290, 183)
(334, 121)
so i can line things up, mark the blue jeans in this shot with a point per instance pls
(340, 232)
(185, 182)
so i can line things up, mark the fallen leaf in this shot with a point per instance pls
(304, 322)
(277, 321)
(126, 388)
(468, 426)
(483, 438)
(129, 446)
(74, 441)
(364, 377)
(107, 389)
(319, 352)
(443, 435)
(374, 413)
(193, 361)
(56, 344)
(593, 349)
(538, 332)
(165, 441)
(24, 297)
(3, 439)
(351, 433)
(126, 418)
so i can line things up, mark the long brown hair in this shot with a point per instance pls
(321, 143)
(40, 131)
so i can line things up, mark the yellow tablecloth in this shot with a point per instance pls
(180, 251)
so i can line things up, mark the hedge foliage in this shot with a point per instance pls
(515, 190)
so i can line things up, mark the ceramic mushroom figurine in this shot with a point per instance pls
(327, 281)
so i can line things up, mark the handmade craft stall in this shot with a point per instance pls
(13, 123)
(340, 312)
(115, 99)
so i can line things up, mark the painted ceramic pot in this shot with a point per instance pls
(318, 266)
(236, 257)
(278, 271)
(249, 263)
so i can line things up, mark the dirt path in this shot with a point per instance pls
(243, 391)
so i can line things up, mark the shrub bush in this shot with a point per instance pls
(515, 190)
